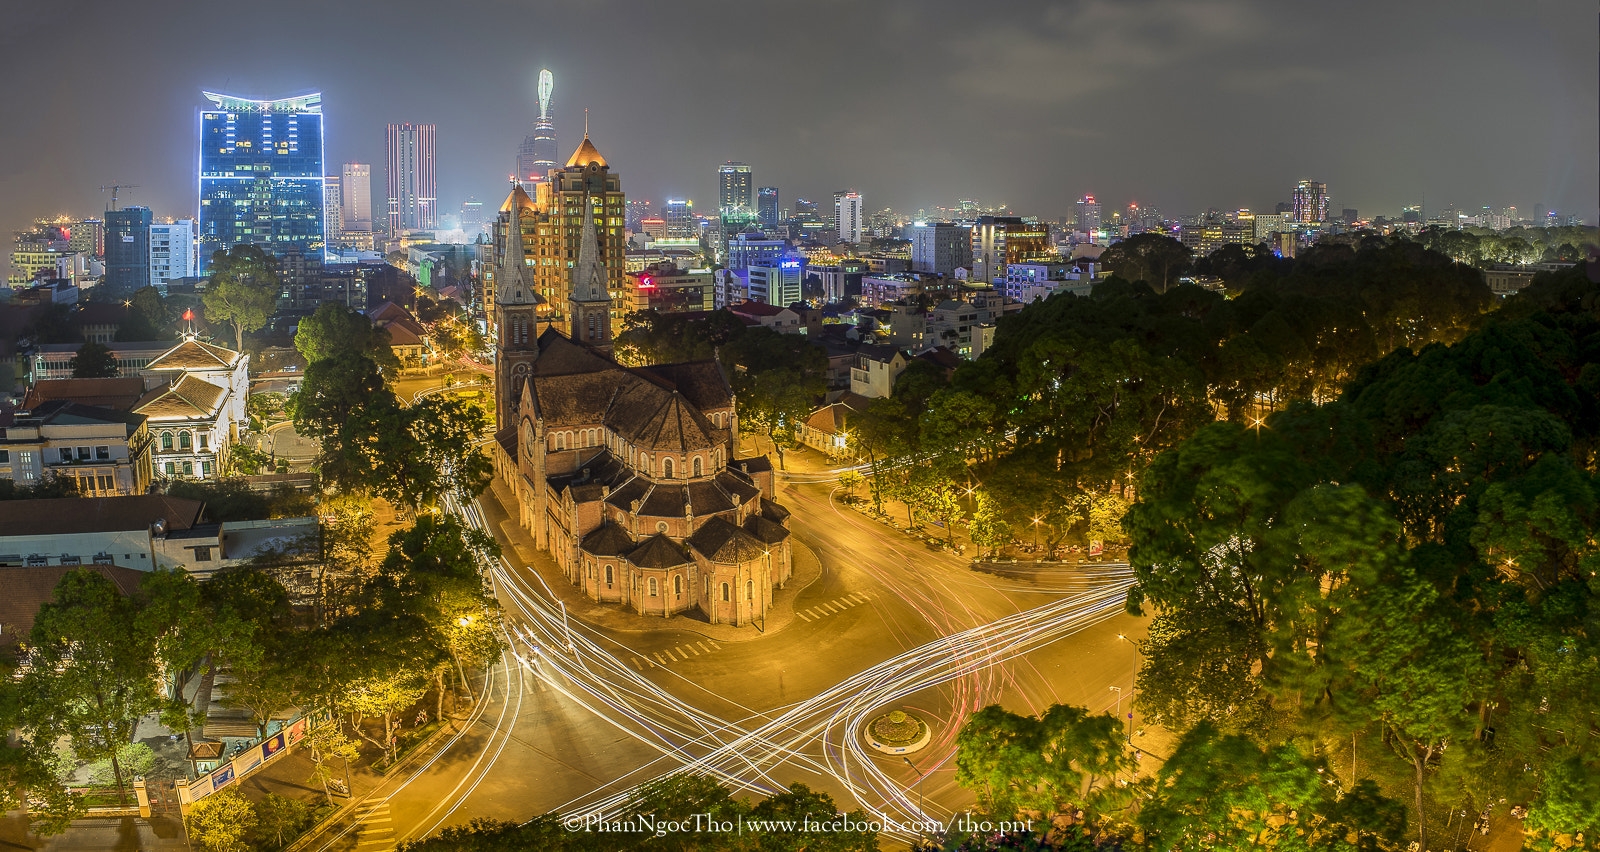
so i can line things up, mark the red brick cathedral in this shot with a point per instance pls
(627, 476)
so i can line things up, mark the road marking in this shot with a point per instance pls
(844, 603)
(658, 657)
(384, 818)
(859, 598)
(703, 647)
(829, 608)
(713, 645)
(803, 616)
(693, 650)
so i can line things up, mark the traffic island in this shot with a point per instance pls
(898, 732)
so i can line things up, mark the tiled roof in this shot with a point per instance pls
(659, 551)
(585, 154)
(77, 515)
(608, 540)
(29, 588)
(756, 309)
(765, 531)
(194, 355)
(62, 412)
(190, 398)
(773, 511)
(109, 393)
(720, 541)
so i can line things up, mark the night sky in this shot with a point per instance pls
(1184, 104)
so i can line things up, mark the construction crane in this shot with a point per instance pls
(115, 188)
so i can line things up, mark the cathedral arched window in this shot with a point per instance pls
(561, 441)
(697, 470)
(652, 587)
(184, 441)
(608, 576)
(724, 592)
(677, 585)
(749, 590)
(166, 440)
(666, 468)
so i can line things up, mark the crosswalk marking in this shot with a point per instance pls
(658, 657)
(693, 650)
(703, 647)
(803, 616)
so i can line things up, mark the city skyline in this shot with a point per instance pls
(1399, 120)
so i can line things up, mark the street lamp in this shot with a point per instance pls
(1036, 532)
(922, 802)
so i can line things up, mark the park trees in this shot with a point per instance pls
(777, 379)
(1064, 757)
(1156, 259)
(1409, 566)
(222, 821)
(336, 330)
(243, 290)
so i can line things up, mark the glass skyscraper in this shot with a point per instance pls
(127, 249)
(261, 175)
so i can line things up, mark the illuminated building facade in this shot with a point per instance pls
(847, 216)
(940, 247)
(1310, 205)
(261, 175)
(681, 223)
(355, 197)
(999, 240)
(413, 196)
(734, 181)
(1088, 214)
(768, 213)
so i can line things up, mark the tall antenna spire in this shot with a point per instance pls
(586, 122)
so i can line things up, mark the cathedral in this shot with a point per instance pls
(627, 476)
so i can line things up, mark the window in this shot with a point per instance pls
(205, 468)
(666, 468)
(203, 439)
(103, 453)
(697, 466)
(83, 454)
(677, 585)
(188, 468)
(171, 468)
(202, 554)
(608, 576)
(25, 461)
(166, 440)
(107, 483)
(724, 592)
(184, 441)
(85, 483)
(66, 455)
(5, 456)
(652, 587)
(749, 590)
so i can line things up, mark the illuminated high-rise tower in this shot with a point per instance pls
(261, 178)
(734, 179)
(538, 153)
(1310, 202)
(413, 198)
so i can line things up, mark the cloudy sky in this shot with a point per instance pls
(1184, 104)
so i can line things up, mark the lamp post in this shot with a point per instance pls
(1036, 533)
(922, 802)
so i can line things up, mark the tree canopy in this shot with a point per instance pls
(243, 289)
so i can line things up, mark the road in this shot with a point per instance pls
(893, 624)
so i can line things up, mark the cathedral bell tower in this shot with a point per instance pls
(591, 295)
(516, 313)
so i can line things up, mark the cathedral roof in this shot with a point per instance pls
(658, 551)
(608, 540)
(772, 511)
(720, 541)
(585, 155)
(700, 382)
(659, 421)
(764, 531)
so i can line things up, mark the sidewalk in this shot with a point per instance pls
(519, 549)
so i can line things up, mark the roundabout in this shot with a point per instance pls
(898, 732)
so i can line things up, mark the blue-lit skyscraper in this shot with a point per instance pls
(261, 178)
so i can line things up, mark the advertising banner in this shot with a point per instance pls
(246, 762)
(272, 746)
(297, 731)
(221, 778)
(1096, 548)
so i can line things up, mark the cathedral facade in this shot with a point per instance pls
(627, 476)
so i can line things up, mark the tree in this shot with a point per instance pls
(94, 361)
(777, 379)
(281, 818)
(222, 821)
(49, 486)
(1025, 763)
(384, 697)
(28, 781)
(93, 667)
(327, 741)
(336, 330)
(1156, 259)
(989, 528)
(255, 642)
(243, 289)
(147, 317)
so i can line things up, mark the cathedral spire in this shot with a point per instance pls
(513, 287)
(589, 275)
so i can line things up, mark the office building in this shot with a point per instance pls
(655, 229)
(1088, 214)
(768, 212)
(735, 193)
(847, 216)
(999, 240)
(1265, 225)
(940, 247)
(1310, 204)
(473, 216)
(775, 283)
(261, 172)
(172, 251)
(412, 194)
(667, 289)
(355, 197)
(332, 207)
(748, 249)
(681, 223)
(128, 249)
(537, 156)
